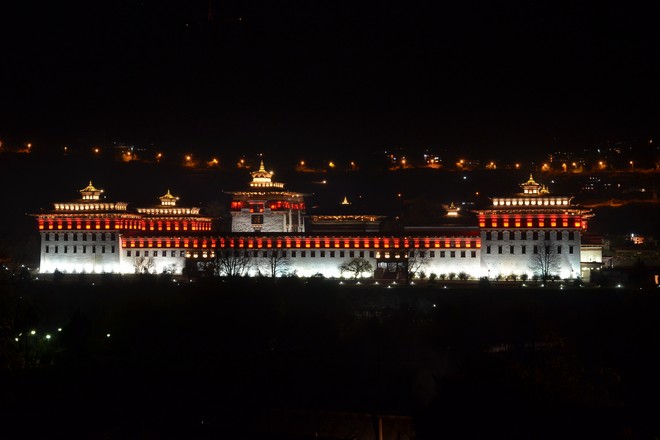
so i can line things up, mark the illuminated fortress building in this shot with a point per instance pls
(91, 235)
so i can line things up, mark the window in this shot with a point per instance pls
(93, 249)
(341, 254)
(473, 254)
(312, 254)
(442, 254)
(173, 254)
(511, 250)
(571, 235)
(164, 254)
(55, 249)
(371, 254)
(284, 254)
(84, 237)
(570, 249)
(103, 249)
(102, 236)
(536, 249)
(488, 249)
(264, 254)
(293, 254)
(489, 235)
(547, 250)
(462, 254)
(523, 249)
(452, 254)
(47, 249)
(560, 235)
(547, 235)
(332, 254)
(535, 235)
(432, 254)
(258, 219)
(351, 254)
(302, 254)
(113, 249)
(499, 249)
(422, 254)
(66, 236)
(512, 235)
(75, 249)
(361, 254)
(137, 253)
(500, 235)
(47, 237)
(84, 249)
(322, 254)
(559, 249)
(182, 253)
(75, 236)
(57, 237)
(128, 253)
(66, 249)
(113, 236)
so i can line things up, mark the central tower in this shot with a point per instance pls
(266, 206)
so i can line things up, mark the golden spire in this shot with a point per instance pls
(345, 201)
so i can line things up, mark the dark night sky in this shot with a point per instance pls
(308, 75)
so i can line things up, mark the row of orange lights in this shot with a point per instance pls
(541, 222)
(264, 243)
(124, 224)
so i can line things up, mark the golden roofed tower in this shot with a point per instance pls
(90, 193)
(168, 199)
(264, 179)
(532, 188)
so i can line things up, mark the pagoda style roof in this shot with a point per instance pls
(532, 188)
(263, 178)
(168, 199)
(90, 188)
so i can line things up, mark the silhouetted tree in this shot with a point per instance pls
(232, 263)
(417, 262)
(274, 263)
(356, 266)
(545, 262)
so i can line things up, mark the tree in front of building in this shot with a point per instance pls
(417, 262)
(356, 266)
(144, 264)
(545, 262)
(274, 264)
(232, 263)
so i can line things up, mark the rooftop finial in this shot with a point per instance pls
(262, 168)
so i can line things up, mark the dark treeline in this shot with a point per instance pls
(151, 357)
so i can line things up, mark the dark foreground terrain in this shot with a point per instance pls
(151, 358)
